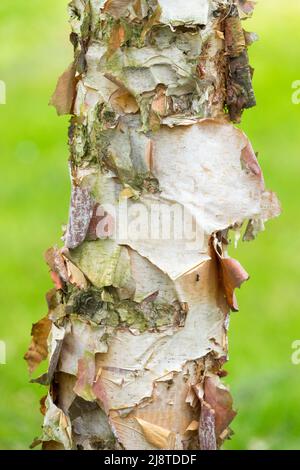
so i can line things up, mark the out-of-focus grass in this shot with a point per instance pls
(265, 384)
(34, 193)
(33, 190)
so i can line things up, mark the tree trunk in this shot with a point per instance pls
(136, 332)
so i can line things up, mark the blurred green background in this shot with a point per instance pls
(34, 192)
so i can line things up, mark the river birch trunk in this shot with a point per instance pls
(162, 181)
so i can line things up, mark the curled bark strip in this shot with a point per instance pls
(216, 412)
(245, 7)
(160, 437)
(63, 271)
(207, 435)
(250, 162)
(81, 212)
(54, 341)
(64, 95)
(231, 274)
(38, 349)
(46, 378)
(220, 400)
(56, 263)
(240, 94)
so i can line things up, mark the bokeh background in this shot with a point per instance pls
(34, 194)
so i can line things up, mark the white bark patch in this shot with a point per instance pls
(183, 12)
(204, 171)
(149, 280)
(200, 167)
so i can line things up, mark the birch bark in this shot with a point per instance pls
(162, 181)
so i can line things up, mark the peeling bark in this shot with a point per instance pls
(137, 325)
